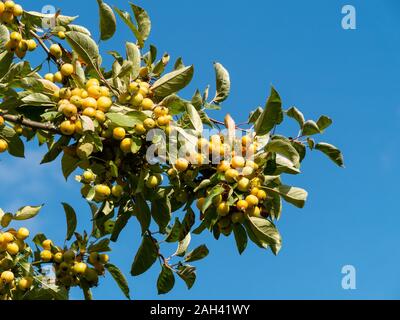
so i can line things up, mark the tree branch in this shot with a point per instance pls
(45, 48)
(30, 123)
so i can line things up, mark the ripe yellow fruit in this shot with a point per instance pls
(89, 112)
(223, 166)
(105, 92)
(47, 244)
(56, 51)
(46, 255)
(1, 121)
(61, 35)
(144, 72)
(31, 44)
(254, 212)
(104, 103)
(242, 205)
(58, 257)
(23, 46)
(12, 248)
(126, 145)
(252, 164)
(84, 94)
(163, 121)
(223, 209)
(243, 184)
(65, 93)
(147, 104)
(93, 258)
(2, 7)
(67, 69)
(88, 176)
(246, 140)
(9, 5)
(254, 191)
(238, 162)
(100, 116)
(153, 181)
(104, 258)
(217, 200)
(261, 195)
(257, 182)
(3, 145)
(181, 164)
(69, 110)
(248, 172)
(119, 133)
(15, 37)
(94, 92)
(252, 201)
(80, 268)
(25, 283)
(149, 124)
(160, 111)
(231, 175)
(7, 277)
(8, 237)
(67, 128)
(139, 129)
(92, 82)
(75, 99)
(89, 102)
(136, 100)
(102, 191)
(17, 10)
(200, 202)
(49, 77)
(117, 191)
(22, 234)
(134, 87)
(58, 77)
(20, 54)
(237, 217)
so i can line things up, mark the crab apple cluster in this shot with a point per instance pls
(17, 43)
(13, 248)
(72, 267)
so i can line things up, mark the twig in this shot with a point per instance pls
(45, 48)
(30, 123)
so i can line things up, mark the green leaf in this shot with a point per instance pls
(108, 22)
(161, 212)
(37, 99)
(293, 195)
(324, 122)
(71, 220)
(310, 128)
(143, 21)
(119, 278)
(173, 82)
(16, 147)
(27, 212)
(85, 47)
(216, 191)
(126, 18)
(166, 280)
(128, 120)
(101, 246)
(68, 164)
(240, 236)
(4, 36)
(183, 246)
(179, 64)
(271, 116)
(223, 83)
(197, 254)
(285, 149)
(194, 117)
(188, 274)
(6, 59)
(332, 152)
(133, 55)
(297, 115)
(55, 149)
(175, 104)
(187, 223)
(266, 233)
(142, 212)
(145, 257)
(173, 235)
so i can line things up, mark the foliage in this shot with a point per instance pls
(145, 153)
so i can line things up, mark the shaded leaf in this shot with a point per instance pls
(271, 116)
(166, 280)
(332, 152)
(119, 278)
(145, 257)
(108, 22)
(71, 220)
(197, 254)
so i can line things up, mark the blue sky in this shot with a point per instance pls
(352, 215)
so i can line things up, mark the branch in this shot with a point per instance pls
(223, 124)
(43, 45)
(30, 123)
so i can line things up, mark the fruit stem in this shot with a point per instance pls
(45, 48)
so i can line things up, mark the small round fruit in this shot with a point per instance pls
(231, 175)
(49, 77)
(243, 184)
(181, 164)
(252, 164)
(119, 133)
(248, 172)
(261, 195)
(75, 99)
(237, 217)
(252, 201)
(163, 121)
(58, 257)
(223, 209)
(1, 121)
(25, 283)
(200, 202)
(238, 162)
(102, 191)
(217, 200)
(139, 129)
(3, 145)
(94, 92)
(58, 77)
(134, 87)
(17, 10)
(136, 100)
(80, 268)
(105, 92)
(22, 234)
(100, 116)
(149, 124)
(31, 44)
(104, 258)
(67, 69)
(126, 145)
(254, 191)
(94, 258)
(254, 212)
(8, 237)
(147, 104)
(69, 256)
(88, 176)
(91, 276)
(56, 51)
(12, 248)
(89, 112)
(153, 181)
(15, 37)
(47, 244)
(242, 205)
(223, 166)
(46, 255)
(104, 104)
(67, 128)
(69, 110)
(160, 111)
(144, 72)
(61, 35)
(92, 82)
(65, 93)
(2, 7)
(7, 277)
(89, 102)
(117, 191)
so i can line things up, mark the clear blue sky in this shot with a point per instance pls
(352, 215)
